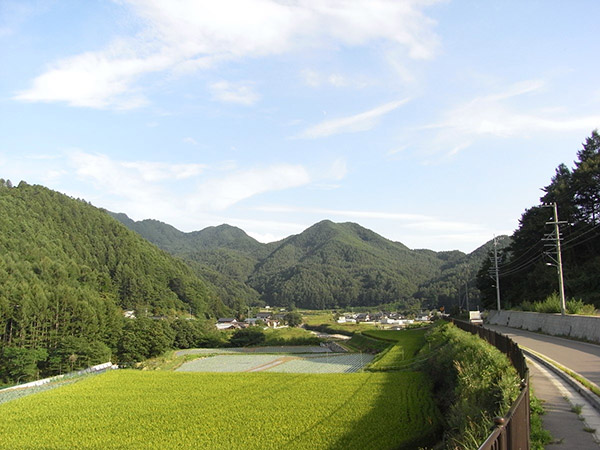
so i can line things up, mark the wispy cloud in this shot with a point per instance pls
(352, 124)
(187, 35)
(223, 192)
(190, 140)
(240, 93)
(347, 213)
(504, 114)
(317, 79)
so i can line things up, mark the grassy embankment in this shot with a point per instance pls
(473, 381)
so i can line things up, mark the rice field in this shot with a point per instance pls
(307, 363)
(140, 409)
(399, 355)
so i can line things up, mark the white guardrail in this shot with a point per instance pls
(97, 368)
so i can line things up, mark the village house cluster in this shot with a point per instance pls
(265, 319)
(382, 318)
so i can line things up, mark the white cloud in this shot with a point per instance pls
(221, 193)
(240, 93)
(188, 35)
(140, 188)
(190, 140)
(352, 124)
(504, 114)
(346, 213)
(315, 79)
(97, 79)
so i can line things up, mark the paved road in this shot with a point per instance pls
(565, 426)
(582, 357)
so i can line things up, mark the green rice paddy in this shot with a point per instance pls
(140, 409)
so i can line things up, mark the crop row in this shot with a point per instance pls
(137, 409)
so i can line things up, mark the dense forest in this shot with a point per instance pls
(329, 265)
(528, 266)
(68, 271)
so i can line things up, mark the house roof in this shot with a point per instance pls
(226, 319)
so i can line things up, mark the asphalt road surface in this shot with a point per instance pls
(582, 357)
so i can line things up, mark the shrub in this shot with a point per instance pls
(247, 337)
(549, 306)
(552, 305)
(578, 307)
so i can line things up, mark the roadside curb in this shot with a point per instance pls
(593, 399)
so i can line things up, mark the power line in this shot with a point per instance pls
(513, 261)
(522, 266)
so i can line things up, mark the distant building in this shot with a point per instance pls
(263, 315)
(229, 323)
(363, 317)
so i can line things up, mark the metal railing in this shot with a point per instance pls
(512, 430)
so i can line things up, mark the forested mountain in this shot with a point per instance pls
(456, 286)
(172, 240)
(341, 265)
(67, 272)
(528, 265)
(224, 255)
(328, 265)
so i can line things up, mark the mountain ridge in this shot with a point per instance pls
(327, 265)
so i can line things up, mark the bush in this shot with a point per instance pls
(548, 306)
(578, 307)
(247, 337)
(551, 305)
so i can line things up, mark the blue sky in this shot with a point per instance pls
(433, 123)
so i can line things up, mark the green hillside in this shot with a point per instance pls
(456, 282)
(340, 265)
(328, 265)
(67, 272)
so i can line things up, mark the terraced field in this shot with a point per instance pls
(140, 409)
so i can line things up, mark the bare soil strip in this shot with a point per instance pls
(266, 366)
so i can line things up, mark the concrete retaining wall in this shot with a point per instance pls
(580, 327)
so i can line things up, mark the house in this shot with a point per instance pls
(263, 315)
(388, 321)
(229, 323)
(129, 314)
(271, 323)
(378, 316)
(363, 317)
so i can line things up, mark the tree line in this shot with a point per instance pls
(67, 272)
(527, 266)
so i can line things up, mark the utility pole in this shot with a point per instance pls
(497, 275)
(558, 260)
(467, 293)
